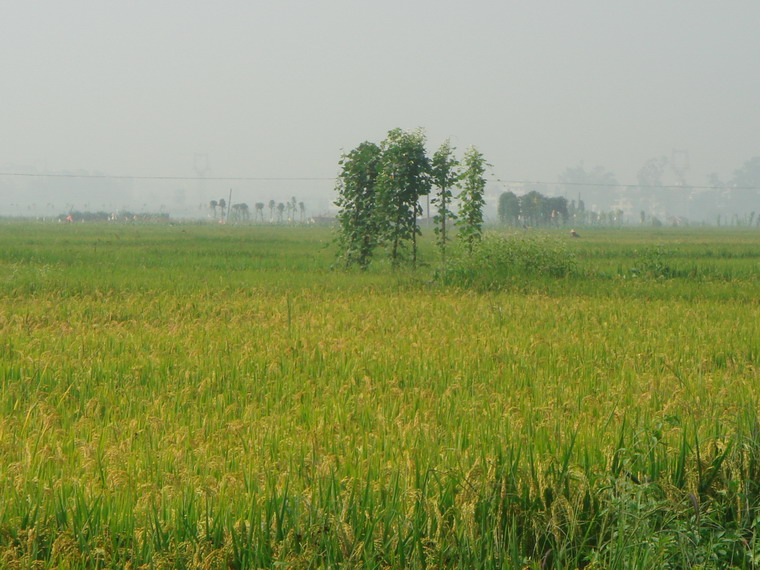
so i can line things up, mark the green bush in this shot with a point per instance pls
(498, 260)
(651, 263)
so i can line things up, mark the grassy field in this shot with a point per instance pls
(180, 396)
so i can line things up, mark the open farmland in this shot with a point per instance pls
(216, 396)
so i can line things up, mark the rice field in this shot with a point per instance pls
(194, 396)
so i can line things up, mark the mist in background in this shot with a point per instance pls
(628, 105)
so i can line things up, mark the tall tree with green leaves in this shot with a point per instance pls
(357, 218)
(444, 175)
(404, 177)
(473, 185)
(509, 208)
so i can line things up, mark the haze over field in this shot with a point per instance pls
(278, 89)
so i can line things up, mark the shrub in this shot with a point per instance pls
(651, 263)
(498, 260)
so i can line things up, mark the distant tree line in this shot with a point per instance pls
(102, 216)
(278, 212)
(534, 209)
(663, 194)
(379, 191)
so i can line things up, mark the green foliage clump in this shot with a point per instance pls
(379, 192)
(403, 178)
(473, 186)
(651, 263)
(497, 260)
(380, 188)
(358, 221)
(445, 175)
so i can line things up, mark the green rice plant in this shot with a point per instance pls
(197, 396)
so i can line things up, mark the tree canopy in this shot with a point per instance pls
(380, 187)
(356, 199)
(404, 177)
(473, 186)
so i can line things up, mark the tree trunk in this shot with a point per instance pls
(443, 224)
(414, 246)
(394, 253)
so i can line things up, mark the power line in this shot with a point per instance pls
(331, 179)
(127, 177)
(648, 186)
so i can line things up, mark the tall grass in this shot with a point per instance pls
(498, 261)
(207, 397)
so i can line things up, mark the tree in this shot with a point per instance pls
(213, 204)
(556, 207)
(280, 211)
(240, 212)
(599, 183)
(259, 214)
(650, 178)
(289, 208)
(403, 178)
(357, 218)
(651, 173)
(473, 186)
(743, 187)
(222, 207)
(302, 209)
(444, 176)
(272, 205)
(509, 208)
(533, 207)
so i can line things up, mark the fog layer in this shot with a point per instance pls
(278, 89)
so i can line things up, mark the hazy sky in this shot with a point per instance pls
(278, 88)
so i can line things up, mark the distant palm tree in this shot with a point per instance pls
(259, 211)
(289, 208)
(302, 208)
(222, 207)
(272, 204)
(240, 212)
(213, 204)
(280, 210)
